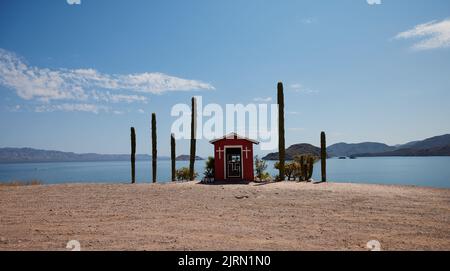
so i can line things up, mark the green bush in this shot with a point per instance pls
(183, 174)
(260, 169)
(209, 168)
(306, 166)
(290, 169)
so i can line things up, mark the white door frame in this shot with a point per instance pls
(225, 159)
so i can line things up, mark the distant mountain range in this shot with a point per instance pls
(434, 146)
(345, 149)
(186, 157)
(295, 150)
(22, 155)
(438, 151)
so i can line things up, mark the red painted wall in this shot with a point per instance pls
(247, 160)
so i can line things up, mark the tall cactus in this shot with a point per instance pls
(172, 155)
(281, 143)
(323, 156)
(193, 140)
(154, 150)
(133, 155)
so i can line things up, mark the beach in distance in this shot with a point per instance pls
(194, 216)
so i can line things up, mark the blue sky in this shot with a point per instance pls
(76, 77)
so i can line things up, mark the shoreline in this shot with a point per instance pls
(396, 171)
(193, 216)
(43, 183)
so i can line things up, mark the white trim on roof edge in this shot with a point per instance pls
(232, 136)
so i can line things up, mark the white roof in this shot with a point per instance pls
(233, 136)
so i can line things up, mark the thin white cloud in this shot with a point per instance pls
(374, 2)
(299, 88)
(434, 35)
(74, 2)
(16, 108)
(68, 107)
(140, 110)
(106, 96)
(78, 84)
(293, 113)
(262, 99)
(309, 21)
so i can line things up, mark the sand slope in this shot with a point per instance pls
(191, 216)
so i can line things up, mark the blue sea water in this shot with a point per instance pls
(419, 171)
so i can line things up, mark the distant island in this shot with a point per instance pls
(29, 155)
(347, 150)
(294, 150)
(186, 157)
(433, 146)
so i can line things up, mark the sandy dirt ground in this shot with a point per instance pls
(192, 216)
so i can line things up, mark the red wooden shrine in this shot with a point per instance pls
(233, 158)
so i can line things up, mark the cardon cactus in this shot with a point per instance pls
(193, 141)
(133, 155)
(281, 143)
(323, 156)
(154, 150)
(172, 155)
(305, 167)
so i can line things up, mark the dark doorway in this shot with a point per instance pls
(233, 163)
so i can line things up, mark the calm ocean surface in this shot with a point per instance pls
(420, 171)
